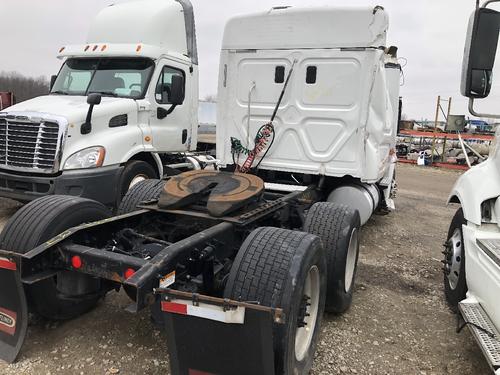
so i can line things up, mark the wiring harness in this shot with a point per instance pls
(264, 139)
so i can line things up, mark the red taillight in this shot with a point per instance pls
(76, 262)
(129, 273)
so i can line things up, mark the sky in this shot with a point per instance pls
(430, 35)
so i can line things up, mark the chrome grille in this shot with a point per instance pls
(28, 143)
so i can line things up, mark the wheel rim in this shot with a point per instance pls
(454, 258)
(136, 180)
(309, 306)
(352, 254)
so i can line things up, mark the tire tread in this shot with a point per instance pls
(31, 218)
(265, 264)
(143, 191)
(332, 223)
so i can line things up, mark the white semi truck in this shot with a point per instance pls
(123, 105)
(338, 118)
(472, 250)
(237, 263)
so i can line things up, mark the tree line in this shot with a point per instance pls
(24, 88)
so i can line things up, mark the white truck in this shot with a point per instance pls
(472, 250)
(123, 105)
(337, 121)
(238, 263)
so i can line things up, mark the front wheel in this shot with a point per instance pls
(284, 269)
(135, 172)
(455, 285)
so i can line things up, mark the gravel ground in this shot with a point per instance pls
(399, 322)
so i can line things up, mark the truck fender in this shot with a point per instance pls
(154, 156)
(159, 164)
(470, 193)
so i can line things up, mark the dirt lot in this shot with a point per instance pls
(399, 323)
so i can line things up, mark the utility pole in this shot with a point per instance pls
(444, 142)
(438, 105)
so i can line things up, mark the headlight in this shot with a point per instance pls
(91, 157)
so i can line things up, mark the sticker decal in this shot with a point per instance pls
(8, 321)
(6, 264)
(168, 280)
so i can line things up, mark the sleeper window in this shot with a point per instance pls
(279, 74)
(311, 74)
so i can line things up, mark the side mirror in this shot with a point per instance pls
(479, 54)
(52, 81)
(177, 90)
(92, 100)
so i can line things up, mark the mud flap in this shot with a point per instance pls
(13, 310)
(203, 339)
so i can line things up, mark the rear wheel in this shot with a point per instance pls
(142, 192)
(338, 226)
(455, 285)
(69, 294)
(284, 269)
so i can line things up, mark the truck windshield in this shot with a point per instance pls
(118, 77)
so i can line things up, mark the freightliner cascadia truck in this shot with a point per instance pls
(238, 262)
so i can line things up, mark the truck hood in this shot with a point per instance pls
(74, 108)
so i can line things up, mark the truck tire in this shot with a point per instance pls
(455, 284)
(141, 192)
(284, 269)
(338, 226)
(135, 171)
(39, 221)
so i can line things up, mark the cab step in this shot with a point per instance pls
(386, 181)
(491, 247)
(474, 313)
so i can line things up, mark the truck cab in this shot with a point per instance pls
(338, 119)
(472, 250)
(122, 106)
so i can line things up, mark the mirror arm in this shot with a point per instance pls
(161, 113)
(86, 127)
(474, 113)
(171, 109)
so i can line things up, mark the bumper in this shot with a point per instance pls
(99, 184)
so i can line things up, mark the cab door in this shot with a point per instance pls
(170, 124)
